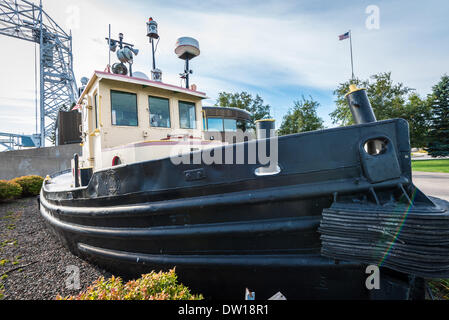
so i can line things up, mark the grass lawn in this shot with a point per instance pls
(440, 289)
(431, 165)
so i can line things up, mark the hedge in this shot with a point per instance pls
(151, 286)
(9, 190)
(31, 185)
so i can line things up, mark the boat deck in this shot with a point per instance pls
(60, 182)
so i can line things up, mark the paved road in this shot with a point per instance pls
(433, 183)
(426, 157)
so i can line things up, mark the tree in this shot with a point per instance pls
(301, 117)
(418, 113)
(389, 100)
(439, 134)
(243, 100)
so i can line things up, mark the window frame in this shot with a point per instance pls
(222, 124)
(137, 108)
(96, 109)
(247, 124)
(179, 113)
(235, 122)
(169, 112)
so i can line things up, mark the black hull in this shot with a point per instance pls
(228, 229)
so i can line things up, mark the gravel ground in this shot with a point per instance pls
(33, 264)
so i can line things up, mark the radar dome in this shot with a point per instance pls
(187, 48)
(140, 75)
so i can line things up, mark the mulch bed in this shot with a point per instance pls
(33, 263)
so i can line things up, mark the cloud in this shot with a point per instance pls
(279, 50)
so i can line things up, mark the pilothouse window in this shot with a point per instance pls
(124, 108)
(243, 125)
(214, 124)
(187, 115)
(159, 112)
(230, 125)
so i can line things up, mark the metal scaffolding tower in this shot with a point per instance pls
(16, 141)
(24, 20)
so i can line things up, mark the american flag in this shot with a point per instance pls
(344, 36)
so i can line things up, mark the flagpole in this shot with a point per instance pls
(352, 61)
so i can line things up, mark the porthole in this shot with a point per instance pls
(375, 147)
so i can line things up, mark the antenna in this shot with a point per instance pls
(84, 81)
(125, 54)
(156, 74)
(186, 49)
(109, 51)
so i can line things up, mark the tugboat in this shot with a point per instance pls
(303, 214)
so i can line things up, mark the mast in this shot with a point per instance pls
(352, 60)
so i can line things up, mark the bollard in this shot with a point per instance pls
(76, 169)
(265, 128)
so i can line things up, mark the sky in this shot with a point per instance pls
(280, 50)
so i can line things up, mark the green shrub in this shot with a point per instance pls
(9, 190)
(440, 288)
(31, 185)
(151, 286)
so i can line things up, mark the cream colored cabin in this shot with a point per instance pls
(126, 120)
